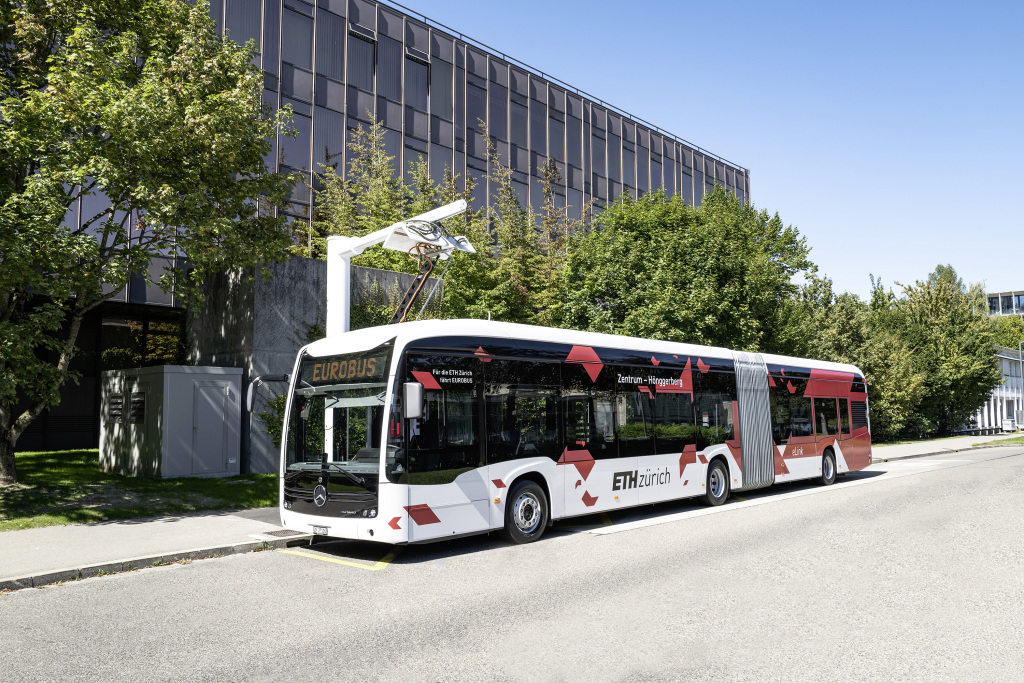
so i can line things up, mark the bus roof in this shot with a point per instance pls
(405, 333)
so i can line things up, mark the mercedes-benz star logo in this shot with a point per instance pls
(320, 495)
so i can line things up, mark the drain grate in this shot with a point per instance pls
(285, 533)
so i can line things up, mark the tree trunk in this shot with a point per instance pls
(8, 472)
(11, 429)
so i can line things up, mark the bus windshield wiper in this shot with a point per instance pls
(338, 468)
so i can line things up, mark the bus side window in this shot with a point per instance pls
(443, 443)
(779, 399)
(588, 410)
(825, 417)
(521, 410)
(844, 416)
(634, 426)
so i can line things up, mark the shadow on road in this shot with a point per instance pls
(370, 553)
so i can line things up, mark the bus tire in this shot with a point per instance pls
(526, 513)
(828, 468)
(716, 489)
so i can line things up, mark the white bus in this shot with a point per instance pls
(436, 429)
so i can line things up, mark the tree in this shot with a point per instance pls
(1008, 330)
(655, 267)
(141, 105)
(371, 195)
(943, 321)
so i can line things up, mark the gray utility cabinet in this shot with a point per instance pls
(171, 421)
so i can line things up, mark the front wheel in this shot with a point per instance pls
(717, 486)
(828, 469)
(526, 513)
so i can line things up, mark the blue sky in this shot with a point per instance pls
(889, 133)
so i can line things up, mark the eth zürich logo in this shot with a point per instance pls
(320, 495)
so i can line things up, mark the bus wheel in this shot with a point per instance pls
(717, 487)
(828, 468)
(526, 513)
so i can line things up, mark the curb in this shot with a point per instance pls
(875, 461)
(133, 564)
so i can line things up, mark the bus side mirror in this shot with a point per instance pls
(412, 400)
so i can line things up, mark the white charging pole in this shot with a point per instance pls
(400, 236)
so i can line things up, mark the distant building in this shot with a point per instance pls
(1007, 400)
(1006, 303)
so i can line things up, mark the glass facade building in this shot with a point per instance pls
(340, 62)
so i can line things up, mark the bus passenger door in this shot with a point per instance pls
(589, 459)
(846, 459)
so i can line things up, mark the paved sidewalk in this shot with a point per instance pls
(37, 557)
(933, 447)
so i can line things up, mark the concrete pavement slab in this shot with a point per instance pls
(32, 557)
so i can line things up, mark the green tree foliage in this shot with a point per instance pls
(143, 105)
(655, 267)
(844, 329)
(1008, 330)
(943, 321)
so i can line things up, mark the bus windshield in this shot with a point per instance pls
(337, 414)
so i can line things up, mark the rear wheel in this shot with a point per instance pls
(526, 513)
(828, 468)
(716, 489)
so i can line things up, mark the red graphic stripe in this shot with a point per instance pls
(426, 379)
(422, 514)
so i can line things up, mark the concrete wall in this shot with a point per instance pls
(259, 325)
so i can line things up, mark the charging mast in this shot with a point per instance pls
(421, 236)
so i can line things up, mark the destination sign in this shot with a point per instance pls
(350, 368)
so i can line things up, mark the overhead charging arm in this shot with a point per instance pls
(422, 234)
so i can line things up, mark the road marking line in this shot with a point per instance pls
(740, 498)
(381, 564)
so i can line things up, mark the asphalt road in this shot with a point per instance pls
(909, 571)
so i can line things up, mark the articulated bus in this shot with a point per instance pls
(429, 430)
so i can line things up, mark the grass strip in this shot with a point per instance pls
(67, 487)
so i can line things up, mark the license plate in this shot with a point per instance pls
(320, 530)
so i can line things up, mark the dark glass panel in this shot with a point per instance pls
(614, 149)
(417, 123)
(297, 39)
(441, 89)
(243, 21)
(597, 150)
(518, 118)
(440, 158)
(686, 187)
(416, 75)
(416, 36)
(538, 127)
(389, 68)
(364, 13)
(330, 94)
(271, 36)
(360, 63)
(328, 137)
(476, 107)
(441, 46)
(330, 46)
(556, 139)
(497, 123)
(656, 180)
(295, 151)
(297, 83)
(573, 150)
